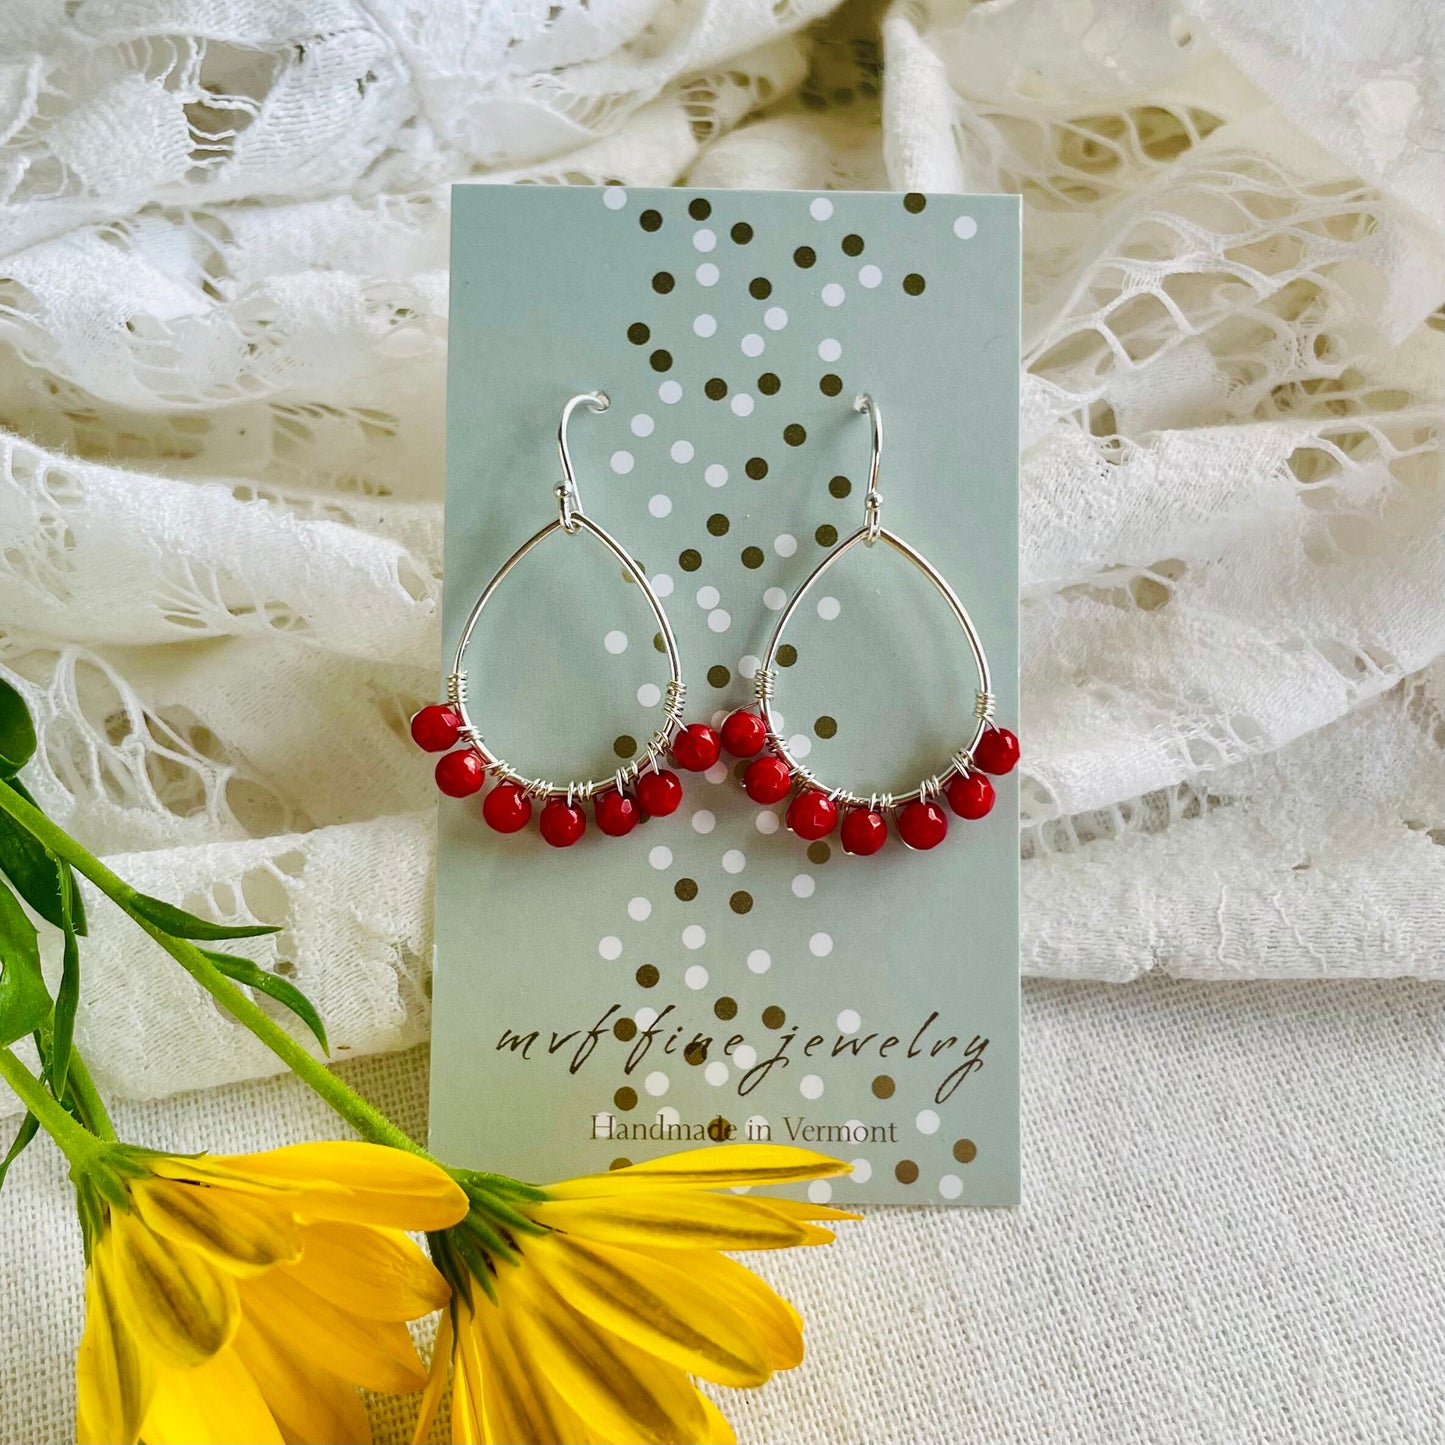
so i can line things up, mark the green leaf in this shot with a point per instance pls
(180, 924)
(24, 999)
(29, 1128)
(242, 970)
(40, 878)
(17, 732)
(67, 998)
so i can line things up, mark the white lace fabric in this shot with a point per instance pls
(222, 350)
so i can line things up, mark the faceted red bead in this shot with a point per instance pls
(696, 747)
(659, 793)
(971, 796)
(812, 815)
(864, 832)
(507, 808)
(922, 825)
(617, 814)
(562, 823)
(459, 775)
(767, 780)
(997, 751)
(436, 728)
(744, 733)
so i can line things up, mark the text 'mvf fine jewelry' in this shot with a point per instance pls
(816, 808)
(644, 788)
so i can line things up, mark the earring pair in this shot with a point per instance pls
(647, 788)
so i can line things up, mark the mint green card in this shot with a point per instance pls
(710, 975)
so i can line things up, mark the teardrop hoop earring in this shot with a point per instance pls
(621, 800)
(814, 812)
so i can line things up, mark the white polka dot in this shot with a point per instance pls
(716, 475)
(639, 910)
(706, 274)
(950, 1186)
(775, 599)
(704, 325)
(748, 666)
(659, 505)
(849, 1021)
(621, 463)
(718, 718)
(965, 228)
(833, 294)
(681, 451)
(752, 344)
(695, 977)
(662, 585)
(668, 1115)
(610, 948)
(742, 404)
(649, 694)
(718, 773)
(775, 318)
(745, 1056)
(820, 208)
(655, 1083)
(829, 608)
(820, 1191)
(642, 425)
(760, 960)
(862, 1171)
(670, 392)
(785, 545)
(694, 936)
(708, 597)
(615, 642)
(820, 945)
(803, 885)
(869, 276)
(927, 1122)
(704, 240)
(800, 744)
(734, 860)
(614, 197)
(719, 620)
(660, 857)
(716, 1073)
(810, 1086)
(830, 350)
(702, 822)
(645, 1017)
(766, 822)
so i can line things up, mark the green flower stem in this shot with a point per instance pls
(369, 1122)
(79, 1145)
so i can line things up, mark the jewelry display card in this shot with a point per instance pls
(710, 975)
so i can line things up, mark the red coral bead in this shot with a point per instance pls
(864, 832)
(971, 796)
(696, 747)
(812, 815)
(562, 823)
(436, 728)
(459, 775)
(922, 825)
(507, 808)
(744, 733)
(767, 780)
(997, 751)
(616, 813)
(659, 793)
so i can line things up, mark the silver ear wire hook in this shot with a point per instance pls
(569, 499)
(872, 500)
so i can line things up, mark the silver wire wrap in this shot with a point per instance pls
(570, 520)
(765, 680)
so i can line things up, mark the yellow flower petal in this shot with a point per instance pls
(468, 1425)
(376, 1354)
(176, 1302)
(236, 1231)
(622, 1392)
(308, 1403)
(713, 1168)
(217, 1403)
(678, 1219)
(436, 1381)
(804, 1209)
(653, 1304)
(379, 1273)
(777, 1326)
(719, 1431)
(114, 1379)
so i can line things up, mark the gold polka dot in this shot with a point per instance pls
(726, 1008)
(741, 901)
(718, 524)
(625, 1029)
(690, 559)
(625, 745)
(913, 284)
(905, 1171)
(883, 1087)
(787, 655)
(826, 727)
(625, 1098)
(696, 1052)
(826, 535)
(840, 487)
(756, 468)
(685, 889)
(752, 557)
(648, 975)
(718, 675)
(621, 1162)
(965, 1150)
(774, 1017)
(913, 202)
(819, 852)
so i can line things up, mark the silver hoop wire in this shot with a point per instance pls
(571, 520)
(872, 531)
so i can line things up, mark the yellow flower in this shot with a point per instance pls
(244, 1298)
(600, 1297)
